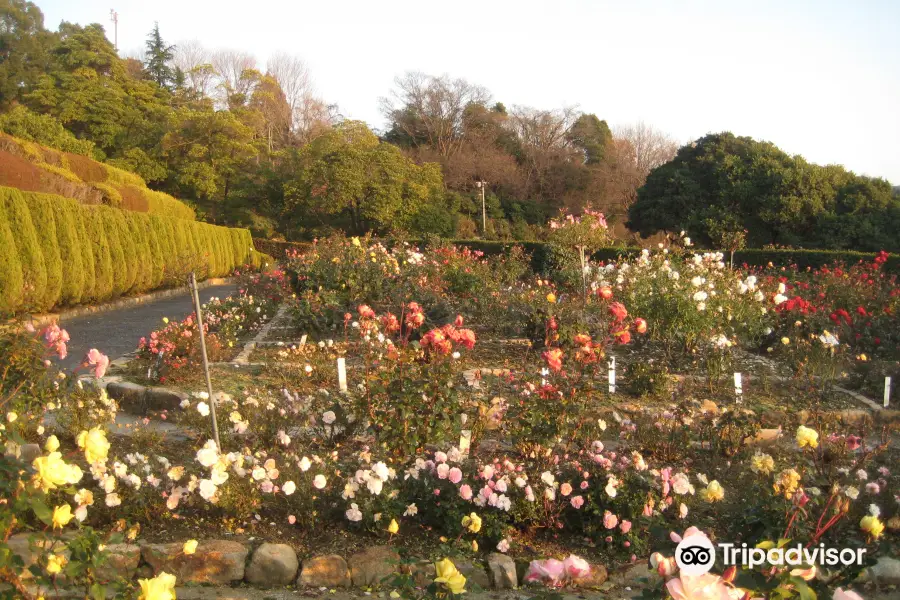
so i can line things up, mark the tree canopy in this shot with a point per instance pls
(779, 199)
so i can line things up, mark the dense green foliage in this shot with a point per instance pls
(56, 252)
(777, 198)
(257, 149)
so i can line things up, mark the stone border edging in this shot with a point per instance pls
(79, 311)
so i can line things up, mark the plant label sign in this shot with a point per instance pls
(612, 375)
(887, 391)
(342, 374)
(738, 388)
(303, 340)
(465, 441)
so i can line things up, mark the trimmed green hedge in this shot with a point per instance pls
(540, 254)
(56, 252)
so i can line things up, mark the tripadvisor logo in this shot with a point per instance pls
(696, 555)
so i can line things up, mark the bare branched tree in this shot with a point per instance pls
(542, 130)
(429, 110)
(310, 114)
(195, 61)
(232, 66)
(650, 147)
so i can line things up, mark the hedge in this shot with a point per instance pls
(56, 252)
(540, 253)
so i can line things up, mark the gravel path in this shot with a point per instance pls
(117, 332)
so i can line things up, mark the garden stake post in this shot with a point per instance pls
(887, 391)
(738, 388)
(209, 390)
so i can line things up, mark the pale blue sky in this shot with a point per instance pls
(819, 78)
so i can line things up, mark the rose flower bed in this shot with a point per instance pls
(539, 461)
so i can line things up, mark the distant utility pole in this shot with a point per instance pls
(481, 185)
(114, 17)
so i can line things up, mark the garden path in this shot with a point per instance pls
(117, 332)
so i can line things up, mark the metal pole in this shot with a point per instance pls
(483, 212)
(209, 390)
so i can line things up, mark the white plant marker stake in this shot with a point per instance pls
(887, 391)
(303, 340)
(342, 374)
(544, 372)
(465, 440)
(612, 375)
(738, 388)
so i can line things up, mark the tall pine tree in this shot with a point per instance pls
(159, 55)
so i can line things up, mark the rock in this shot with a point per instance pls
(373, 565)
(129, 395)
(29, 452)
(854, 416)
(473, 573)
(503, 571)
(885, 572)
(641, 575)
(595, 579)
(122, 561)
(159, 398)
(20, 545)
(215, 561)
(272, 565)
(423, 573)
(325, 571)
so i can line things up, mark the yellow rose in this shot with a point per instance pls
(356, 242)
(94, 444)
(474, 546)
(872, 525)
(714, 492)
(762, 463)
(55, 563)
(161, 587)
(189, 547)
(449, 576)
(786, 341)
(53, 472)
(807, 437)
(52, 444)
(787, 482)
(551, 297)
(61, 516)
(393, 527)
(472, 523)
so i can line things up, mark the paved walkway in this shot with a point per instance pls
(117, 332)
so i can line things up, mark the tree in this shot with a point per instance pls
(157, 59)
(347, 176)
(592, 136)
(736, 183)
(428, 110)
(195, 63)
(205, 151)
(235, 83)
(88, 89)
(24, 46)
(650, 148)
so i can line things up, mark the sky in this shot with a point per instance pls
(820, 78)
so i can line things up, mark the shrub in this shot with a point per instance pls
(111, 196)
(69, 245)
(87, 249)
(121, 177)
(159, 202)
(143, 255)
(43, 129)
(96, 226)
(155, 245)
(122, 273)
(31, 259)
(11, 280)
(44, 219)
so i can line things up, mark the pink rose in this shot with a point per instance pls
(577, 502)
(465, 491)
(455, 475)
(625, 526)
(610, 520)
(565, 489)
(576, 567)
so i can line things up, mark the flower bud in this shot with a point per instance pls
(729, 574)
